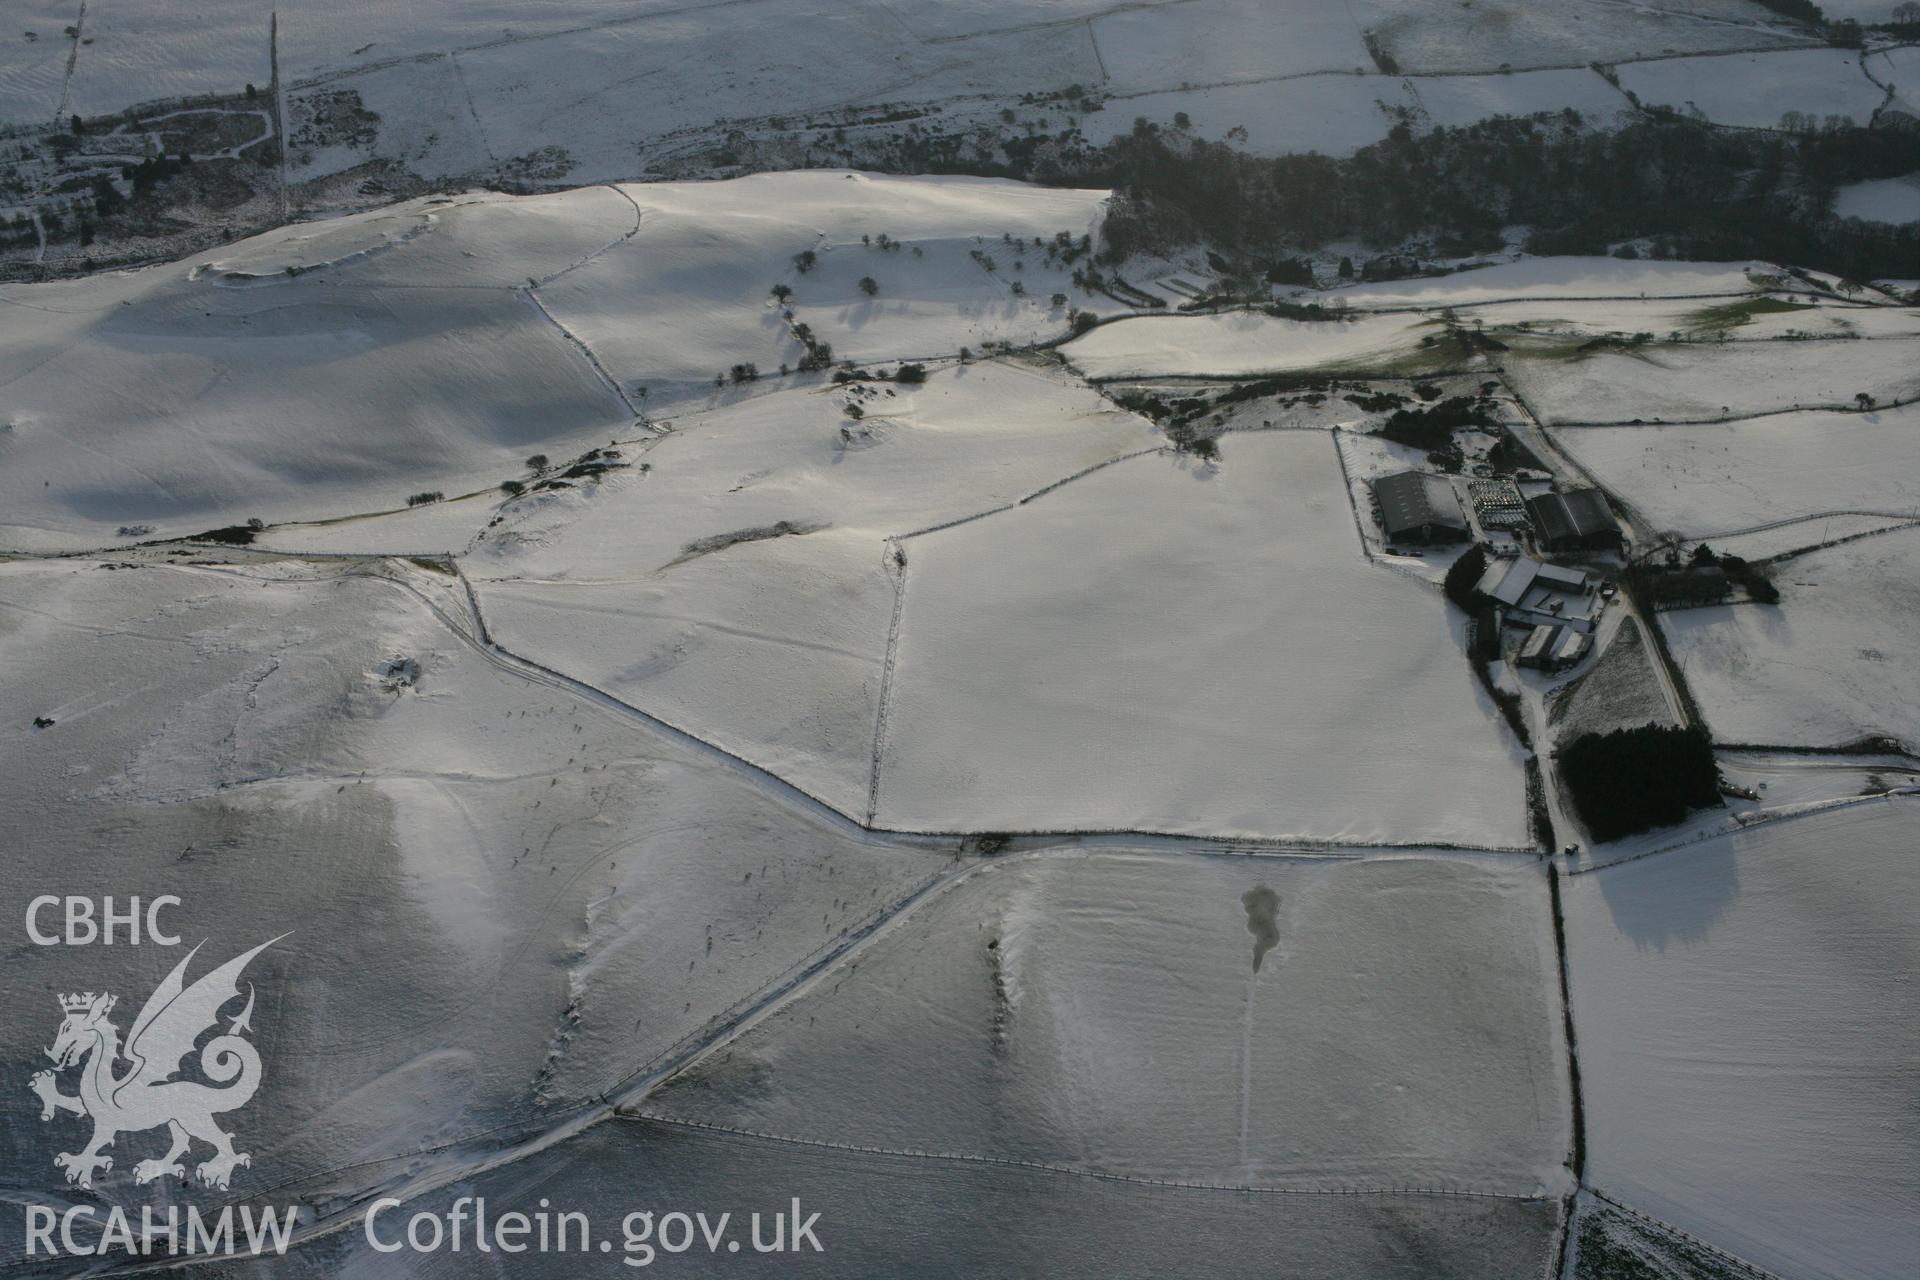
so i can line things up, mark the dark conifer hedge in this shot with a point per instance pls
(1632, 780)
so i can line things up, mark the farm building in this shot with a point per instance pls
(1416, 506)
(1552, 648)
(1577, 520)
(1532, 593)
(1497, 504)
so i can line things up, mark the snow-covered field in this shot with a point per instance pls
(1157, 45)
(33, 67)
(1884, 200)
(1836, 661)
(1444, 35)
(1049, 654)
(503, 897)
(1703, 381)
(1119, 1013)
(1756, 90)
(333, 368)
(1453, 100)
(592, 90)
(1208, 42)
(656, 76)
(687, 296)
(1244, 344)
(1335, 114)
(136, 52)
(1747, 1029)
(1705, 479)
(1900, 68)
(310, 372)
(1338, 113)
(931, 793)
(1567, 278)
(1778, 316)
(886, 1214)
(1800, 534)
(773, 639)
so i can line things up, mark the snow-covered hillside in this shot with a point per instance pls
(781, 686)
(591, 90)
(338, 368)
(502, 899)
(745, 586)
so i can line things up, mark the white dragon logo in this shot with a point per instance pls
(147, 1096)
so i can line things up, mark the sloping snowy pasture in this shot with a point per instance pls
(1713, 478)
(592, 90)
(1836, 661)
(1244, 344)
(1213, 42)
(743, 588)
(1900, 68)
(503, 899)
(1337, 113)
(1789, 316)
(137, 52)
(1454, 100)
(1573, 277)
(1210, 42)
(331, 368)
(682, 71)
(312, 371)
(1050, 654)
(1884, 200)
(1800, 534)
(1444, 35)
(576, 71)
(688, 296)
(1755, 90)
(1747, 1026)
(1167, 1017)
(33, 69)
(1698, 382)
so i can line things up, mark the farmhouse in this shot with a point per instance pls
(1531, 594)
(1578, 520)
(1417, 506)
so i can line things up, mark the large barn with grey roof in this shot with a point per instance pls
(1417, 506)
(1577, 520)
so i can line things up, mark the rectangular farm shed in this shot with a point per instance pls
(1578, 520)
(1416, 506)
